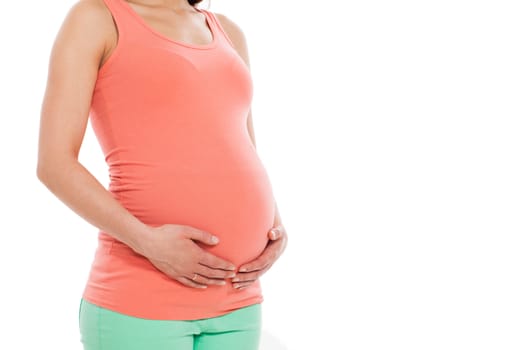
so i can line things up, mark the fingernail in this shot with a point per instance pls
(243, 269)
(214, 239)
(222, 282)
(231, 275)
(237, 279)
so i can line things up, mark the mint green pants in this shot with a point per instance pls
(103, 329)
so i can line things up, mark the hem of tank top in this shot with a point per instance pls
(259, 299)
(142, 22)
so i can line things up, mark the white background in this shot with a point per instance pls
(393, 134)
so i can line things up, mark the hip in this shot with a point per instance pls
(101, 327)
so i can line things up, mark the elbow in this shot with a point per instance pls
(44, 166)
(48, 170)
(42, 172)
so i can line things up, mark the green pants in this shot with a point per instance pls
(103, 329)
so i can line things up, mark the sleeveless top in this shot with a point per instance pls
(171, 119)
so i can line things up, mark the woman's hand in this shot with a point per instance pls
(250, 272)
(172, 250)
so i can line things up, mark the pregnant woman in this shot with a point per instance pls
(189, 222)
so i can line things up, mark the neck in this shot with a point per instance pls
(172, 4)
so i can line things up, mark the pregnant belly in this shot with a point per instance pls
(236, 206)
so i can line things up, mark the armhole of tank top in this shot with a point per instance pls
(120, 36)
(221, 29)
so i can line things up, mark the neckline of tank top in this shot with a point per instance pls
(208, 20)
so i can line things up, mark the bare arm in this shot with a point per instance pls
(73, 66)
(76, 55)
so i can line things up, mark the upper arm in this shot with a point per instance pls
(237, 37)
(72, 72)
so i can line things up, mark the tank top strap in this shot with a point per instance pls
(218, 29)
(124, 19)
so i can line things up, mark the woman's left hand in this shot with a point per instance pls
(250, 272)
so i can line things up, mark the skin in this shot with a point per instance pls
(79, 50)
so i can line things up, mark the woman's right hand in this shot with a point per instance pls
(172, 250)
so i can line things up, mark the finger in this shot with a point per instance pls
(188, 282)
(242, 285)
(197, 278)
(201, 236)
(250, 277)
(275, 233)
(269, 255)
(214, 262)
(256, 265)
(213, 273)
(245, 277)
(261, 262)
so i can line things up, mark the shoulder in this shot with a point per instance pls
(87, 26)
(88, 19)
(88, 10)
(234, 33)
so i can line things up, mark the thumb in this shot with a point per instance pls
(202, 236)
(275, 233)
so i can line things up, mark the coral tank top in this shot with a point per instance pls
(171, 119)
